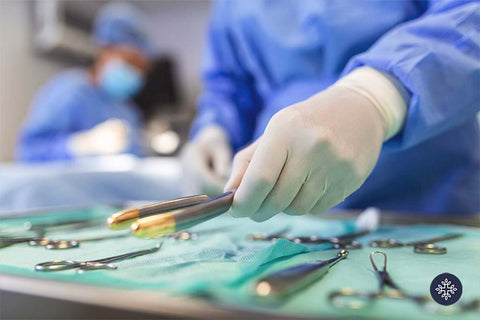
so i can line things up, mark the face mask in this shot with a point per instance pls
(120, 80)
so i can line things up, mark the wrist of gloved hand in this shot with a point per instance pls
(385, 92)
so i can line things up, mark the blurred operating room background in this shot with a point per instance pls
(40, 38)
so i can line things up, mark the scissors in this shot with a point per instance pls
(353, 299)
(424, 246)
(82, 266)
(341, 242)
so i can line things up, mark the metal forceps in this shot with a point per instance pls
(104, 263)
(54, 244)
(425, 246)
(68, 244)
(40, 229)
(341, 242)
(353, 299)
(35, 241)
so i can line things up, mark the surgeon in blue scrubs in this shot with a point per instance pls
(344, 104)
(82, 113)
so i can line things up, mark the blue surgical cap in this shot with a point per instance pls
(121, 24)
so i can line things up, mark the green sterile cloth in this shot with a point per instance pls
(223, 264)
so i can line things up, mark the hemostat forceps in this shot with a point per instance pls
(341, 242)
(55, 244)
(425, 246)
(355, 299)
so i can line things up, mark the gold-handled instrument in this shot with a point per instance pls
(123, 219)
(180, 219)
(281, 284)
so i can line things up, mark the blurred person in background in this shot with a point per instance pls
(89, 112)
(349, 103)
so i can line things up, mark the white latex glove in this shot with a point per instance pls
(206, 162)
(311, 156)
(106, 138)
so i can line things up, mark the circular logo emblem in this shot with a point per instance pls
(446, 289)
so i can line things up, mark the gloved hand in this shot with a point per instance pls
(206, 162)
(311, 156)
(106, 138)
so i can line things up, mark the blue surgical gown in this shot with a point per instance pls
(262, 56)
(67, 104)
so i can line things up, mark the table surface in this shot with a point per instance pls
(156, 295)
(30, 190)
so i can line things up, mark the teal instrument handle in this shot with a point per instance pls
(280, 284)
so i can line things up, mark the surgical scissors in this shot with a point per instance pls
(104, 263)
(341, 242)
(353, 299)
(424, 246)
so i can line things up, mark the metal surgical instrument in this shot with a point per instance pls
(354, 299)
(40, 229)
(282, 283)
(50, 244)
(180, 219)
(341, 242)
(55, 244)
(424, 246)
(123, 219)
(59, 265)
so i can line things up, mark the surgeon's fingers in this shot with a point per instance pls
(308, 196)
(260, 177)
(333, 196)
(240, 163)
(284, 191)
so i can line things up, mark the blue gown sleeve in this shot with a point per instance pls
(229, 98)
(437, 59)
(45, 133)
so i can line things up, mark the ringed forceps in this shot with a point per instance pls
(424, 246)
(354, 299)
(104, 263)
(54, 244)
(341, 242)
